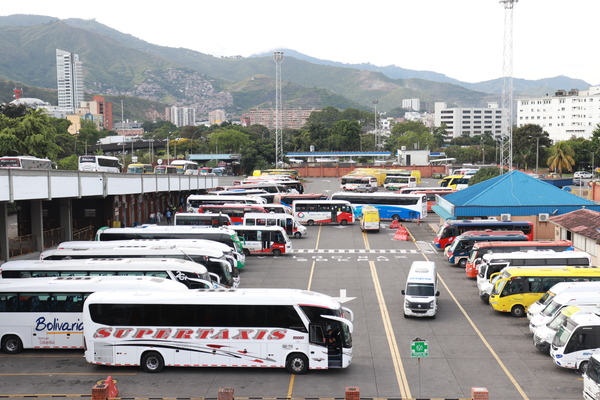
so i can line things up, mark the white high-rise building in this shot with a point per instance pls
(565, 114)
(181, 116)
(471, 121)
(411, 104)
(69, 76)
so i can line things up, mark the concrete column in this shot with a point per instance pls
(66, 218)
(37, 224)
(4, 243)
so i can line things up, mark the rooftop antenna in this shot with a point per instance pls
(278, 58)
(506, 142)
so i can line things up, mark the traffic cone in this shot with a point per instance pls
(395, 224)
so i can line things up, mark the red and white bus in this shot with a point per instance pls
(235, 211)
(263, 239)
(452, 228)
(268, 328)
(482, 248)
(312, 212)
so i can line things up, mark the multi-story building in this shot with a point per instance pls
(292, 118)
(216, 116)
(565, 114)
(471, 121)
(181, 116)
(128, 128)
(411, 104)
(101, 108)
(69, 75)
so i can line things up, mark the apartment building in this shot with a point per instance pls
(411, 104)
(69, 76)
(181, 116)
(471, 121)
(564, 114)
(293, 118)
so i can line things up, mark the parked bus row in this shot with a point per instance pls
(152, 323)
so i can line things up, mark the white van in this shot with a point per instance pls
(421, 290)
(288, 222)
(561, 301)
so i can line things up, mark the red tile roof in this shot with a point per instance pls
(583, 222)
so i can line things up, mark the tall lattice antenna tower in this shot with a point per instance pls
(506, 147)
(278, 58)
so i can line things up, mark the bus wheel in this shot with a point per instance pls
(11, 344)
(485, 298)
(246, 252)
(462, 263)
(276, 252)
(152, 362)
(344, 222)
(297, 235)
(395, 217)
(310, 222)
(297, 364)
(583, 367)
(518, 311)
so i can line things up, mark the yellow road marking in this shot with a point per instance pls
(389, 330)
(478, 332)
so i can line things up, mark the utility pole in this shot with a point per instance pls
(278, 58)
(506, 151)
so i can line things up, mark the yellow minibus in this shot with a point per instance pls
(518, 288)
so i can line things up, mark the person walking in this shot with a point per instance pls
(158, 217)
(168, 215)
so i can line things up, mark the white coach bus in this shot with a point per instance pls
(295, 329)
(214, 260)
(47, 313)
(192, 275)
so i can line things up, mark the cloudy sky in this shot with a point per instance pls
(462, 39)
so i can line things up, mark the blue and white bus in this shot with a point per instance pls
(390, 205)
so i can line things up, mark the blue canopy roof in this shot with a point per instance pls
(513, 193)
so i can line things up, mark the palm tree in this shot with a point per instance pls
(561, 158)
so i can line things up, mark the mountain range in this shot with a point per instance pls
(117, 64)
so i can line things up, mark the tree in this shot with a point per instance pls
(327, 116)
(228, 140)
(561, 158)
(483, 175)
(345, 135)
(32, 134)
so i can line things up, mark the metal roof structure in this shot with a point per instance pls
(340, 154)
(514, 193)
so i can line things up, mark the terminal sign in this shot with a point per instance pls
(419, 348)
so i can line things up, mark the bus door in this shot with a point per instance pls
(288, 225)
(334, 212)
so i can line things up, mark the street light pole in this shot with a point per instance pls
(537, 154)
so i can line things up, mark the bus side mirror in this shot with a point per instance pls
(437, 293)
(402, 292)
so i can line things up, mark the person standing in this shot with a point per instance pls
(168, 215)
(152, 218)
(158, 217)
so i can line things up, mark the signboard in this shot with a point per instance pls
(419, 348)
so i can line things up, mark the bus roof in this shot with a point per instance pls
(126, 264)
(535, 254)
(144, 243)
(79, 284)
(140, 251)
(480, 245)
(225, 296)
(545, 271)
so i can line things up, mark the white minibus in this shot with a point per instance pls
(193, 275)
(264, 239)
(214, 260)
(561, 301)
(218, 328)
(421, 290)
(544, 335)
(591, 379)
(286, 221)
(576, 340)
(47, 313)
(561, 287)
(312, 212)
